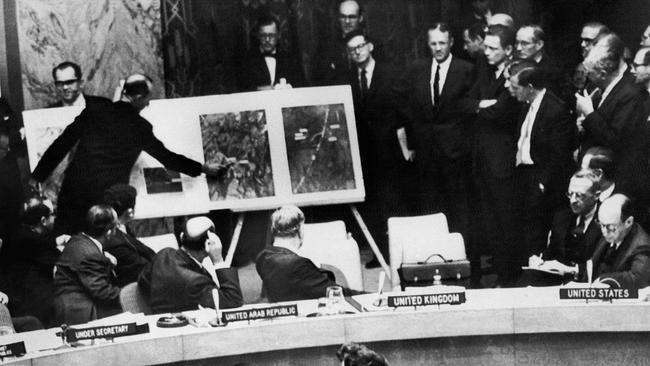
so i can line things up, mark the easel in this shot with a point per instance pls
(366, 233)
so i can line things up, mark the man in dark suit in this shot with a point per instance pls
(286, 275)
(84, 281)
(614, 117)
(131, 254)
(543, 156)
(376, 100)
(440, 129)
(495, 147)
(69, 83)
(622, 257)
(574, 232)
(109, 139)
(177, 281)
(265, 65)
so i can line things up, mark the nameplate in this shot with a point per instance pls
(598, 293)
(450, 298)
(107, 331)
(12, 349)
(260, 313)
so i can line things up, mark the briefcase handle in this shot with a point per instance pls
(435, 255)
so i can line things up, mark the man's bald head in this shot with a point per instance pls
(196, 232)
(616, 217)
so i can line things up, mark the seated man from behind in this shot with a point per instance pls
(131, 254)
(85, 286)
(286, 275)
(622, 257)
(177, 281)
(574, 231)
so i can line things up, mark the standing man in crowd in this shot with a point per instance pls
(543, 156)
(68, 82)
(109, 139)
(641, 69)
(473, 37)
(440, 127)
(376, 101)
(85, 286)
(331, 58)
(265, 65)
(495, 147)
(177, 281)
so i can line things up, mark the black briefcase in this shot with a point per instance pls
(422, 273)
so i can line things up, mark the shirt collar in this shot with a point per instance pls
(96, 242)
(370, 67)
(538, 99)
(444, 64)
(621, 72)
(79, 102)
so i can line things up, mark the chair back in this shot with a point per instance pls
(5, 318)
(132, 300)
(327, 245)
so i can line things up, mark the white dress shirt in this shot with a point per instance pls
(442, 77)
(271, 63)
(523, 145)
(370, 69)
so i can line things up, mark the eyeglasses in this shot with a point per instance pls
(610, 228)
(348, 17)
(61, 83)
(579, 196)
(357, 48)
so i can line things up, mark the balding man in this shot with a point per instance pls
(177, 280)
(622, 257)
(613, 118)
(109, 139)
(85, 286)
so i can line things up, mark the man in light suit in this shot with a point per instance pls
(543, 156)
(622, 257)
(84, 281)
(440, 128)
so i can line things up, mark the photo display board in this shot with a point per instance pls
(295, 146)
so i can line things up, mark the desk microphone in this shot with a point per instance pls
(590, 270)
(382, 278)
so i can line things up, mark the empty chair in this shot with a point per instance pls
(327, 244)
(132, 300)
(421, 238)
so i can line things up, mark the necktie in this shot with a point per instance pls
(610, 255)
(580, 228)
(364, 83)
(436, 86)
(596, 98)
(530, 117)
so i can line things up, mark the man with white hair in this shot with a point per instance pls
(286, 275)
(109, 139)
(177, 280)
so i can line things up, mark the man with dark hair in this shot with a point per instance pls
(178, 281)
(543, 157)
(495, 148)
(68, 82)
(85, 286)
(574, 232)
(622, 257)
(131, 254)
(286, 275)
(601, 161)
(439, 128)
(616, 118)
(641, 68)
(376, 97)
(473, 37)
(28, 259)
(109, 140)
(331, 60)
(266, 65)
(353, 354)
(589, 35)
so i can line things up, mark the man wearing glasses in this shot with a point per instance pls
(574, 232)
(622, 257)
(68, 83)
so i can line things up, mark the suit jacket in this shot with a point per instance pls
(91, 101)
(563, 247)
(174, 282)
(131, 254)
(84, 283)
(376, 118)
(550, 140)
(631, 266)
(253, 72)
(618, 124)
(109, 139)
(445, 128)
(495, 140)
(287, 276)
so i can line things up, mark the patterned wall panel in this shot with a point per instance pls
(110, 39)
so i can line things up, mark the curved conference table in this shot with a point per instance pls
(494, 327)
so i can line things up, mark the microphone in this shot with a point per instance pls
(590, 270)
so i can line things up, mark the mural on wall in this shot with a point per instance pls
(109, 39)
